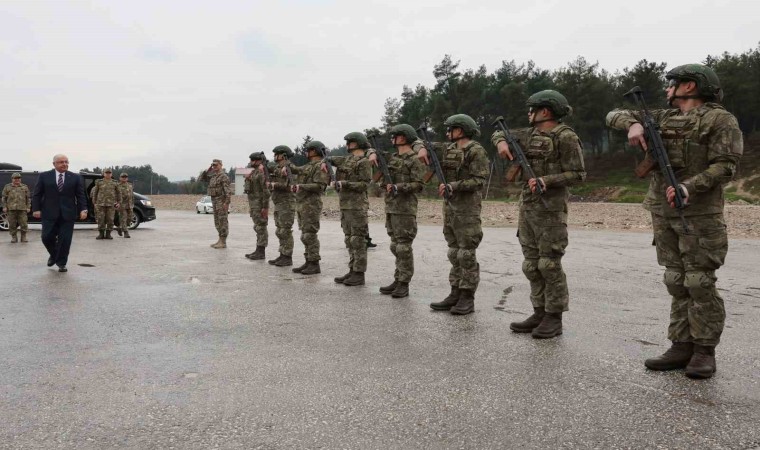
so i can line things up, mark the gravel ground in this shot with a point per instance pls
(741, 219)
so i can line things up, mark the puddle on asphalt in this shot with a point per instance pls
(194, 280)
(190, 375)
(643, 342)
(501, 305)
(86, 265)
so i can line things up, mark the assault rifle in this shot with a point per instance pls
(383, 164)
(520, 158)
(330, 168)
(265, 165)
(434, 162)
(657, 150)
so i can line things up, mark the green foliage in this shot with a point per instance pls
(144, 180)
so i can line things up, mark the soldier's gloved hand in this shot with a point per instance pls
(636, 136)
(670, 193)
(504, 152)
(532, 184)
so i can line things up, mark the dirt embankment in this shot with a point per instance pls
(742, 220)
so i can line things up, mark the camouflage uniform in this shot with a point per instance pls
(220, 193)
(126, 206)
(105, 195)
(704, 146)
(556, 156)
(284, 207)
(312, 182)
(18, 201)
(258, 200)
(355, 174)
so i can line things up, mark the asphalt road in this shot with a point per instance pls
(162, 342)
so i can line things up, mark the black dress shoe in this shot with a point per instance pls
(51, 261)
(62, 269)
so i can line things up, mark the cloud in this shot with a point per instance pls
(157, 53)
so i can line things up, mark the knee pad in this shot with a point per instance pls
(452, 254)
(530, 269)
(549, 266)
(674, 282)
(699, 280)
(357, 242)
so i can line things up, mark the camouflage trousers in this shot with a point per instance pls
(402, 229)
(697, 313)
(355, 230)
(220, 216)
(260, 227)
(17, 219)
(284, 216)
(125, 218)
(463, 235)
(543, 238)
(308, 223)
(105, 215)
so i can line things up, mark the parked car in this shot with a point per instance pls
(143, 210)
(204, 205)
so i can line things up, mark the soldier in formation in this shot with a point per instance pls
(126, 205)
(704, 144)
(284, 201)
(106, 196)
(17, 202)
(353, 175)
(309, 189)
(555, 153)
(258, 203)
(220, 193)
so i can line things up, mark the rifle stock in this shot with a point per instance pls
(519, 155)
(434, 162)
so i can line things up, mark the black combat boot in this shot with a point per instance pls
(118, 230)
(676, 357)
(343, 278)
(527, 325)
(14, 239)
(101, 234)
(284, 261)
(388, 290)
(702, 364)
(108, 234)
(401, 290)
(448, 302)
(23, 237)
(355, 279)
(312, 268)
(258, 254)
(369, 243)
(550, 326)
(126, 234)
(466, 303)
(300, 268)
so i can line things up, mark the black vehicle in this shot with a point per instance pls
(143, 210)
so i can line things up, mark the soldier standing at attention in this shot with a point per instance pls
(106, 196)
(309, 190)
(704, 144)
(555, 153)
(220, 193)
(354, 173)
(17, 202)
(284, 205)
(465, 167)
(258, 204)
(127, 203)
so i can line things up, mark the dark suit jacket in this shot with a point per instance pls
(52, 204)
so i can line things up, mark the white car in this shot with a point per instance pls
(204, 206)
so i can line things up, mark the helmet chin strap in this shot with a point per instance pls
(685, 97)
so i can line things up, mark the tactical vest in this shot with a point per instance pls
(543, 154)
(351, 171)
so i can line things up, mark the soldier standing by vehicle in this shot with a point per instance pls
(220, 193)
(704, 145)
(127, 203)
(555, 154)
(353, 175)
(17, 202)
(106, 196)
(309, 190)
(465, 167)
(284, 205)
(406, 172)
(258, 204)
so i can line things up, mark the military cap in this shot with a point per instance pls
(16, 175)
(124, 174)
(217, 161)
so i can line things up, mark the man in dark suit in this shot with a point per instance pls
(58, 198)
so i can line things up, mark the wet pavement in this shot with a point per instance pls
(160, 341)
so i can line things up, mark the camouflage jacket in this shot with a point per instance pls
(466, 170)
(106, 193)
(556, 156)
(355, 174)
(704, 146)
(258, 194)
(406, 172)
(281, 193)
(218, 185)
(127, 199)
(312, 181)
(17, 198)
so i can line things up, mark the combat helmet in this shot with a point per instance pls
(465, 122)
(708, 83)
(316, 145)
(551, 99)
(283, 150)
(405, 130)
(257, 156)
(16, 175)
(360, 139)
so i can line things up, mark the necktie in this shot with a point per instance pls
(60, 182)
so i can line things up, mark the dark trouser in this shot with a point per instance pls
(56, 236)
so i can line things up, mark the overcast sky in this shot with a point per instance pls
(177, 83)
